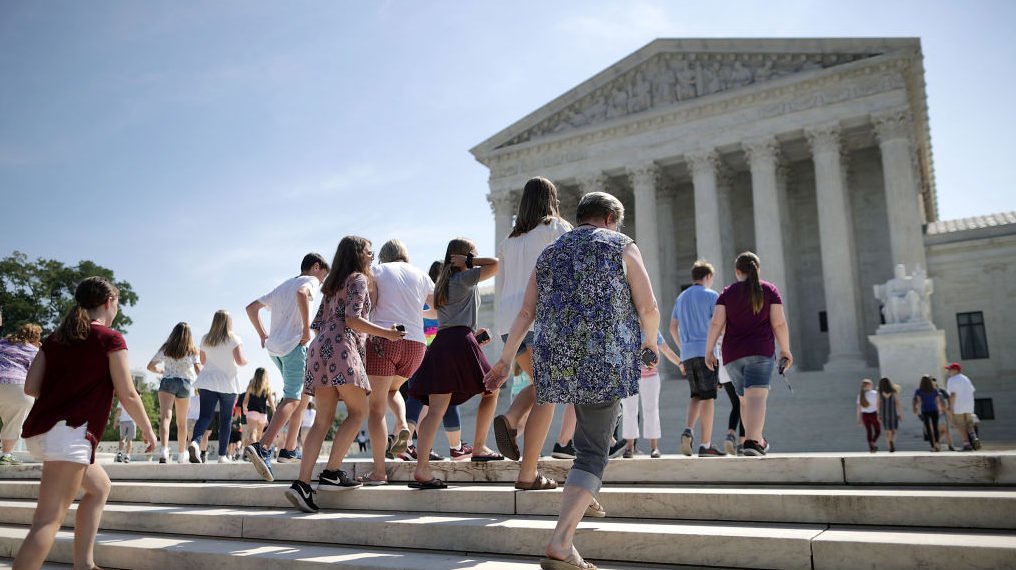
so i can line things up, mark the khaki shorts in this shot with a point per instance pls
(14, 408)
(963, 422)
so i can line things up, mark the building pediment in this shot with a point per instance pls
(671, 73)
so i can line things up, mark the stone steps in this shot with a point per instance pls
(946, 507)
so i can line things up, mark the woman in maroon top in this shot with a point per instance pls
(74, 377)
(750, 316)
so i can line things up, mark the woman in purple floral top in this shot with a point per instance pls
(592, 302)
(335, 368)
(17, 352)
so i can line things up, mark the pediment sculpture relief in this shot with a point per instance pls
(669, 79)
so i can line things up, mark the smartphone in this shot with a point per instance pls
(483, 337)
(400, 327)
(783, 365)
(648, 357)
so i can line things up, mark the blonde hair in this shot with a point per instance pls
(393, 250)
(180, 343)
(27, 333)
(863, 396)
(221, 329)
(258, 385)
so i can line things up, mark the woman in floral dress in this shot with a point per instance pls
(335, 368)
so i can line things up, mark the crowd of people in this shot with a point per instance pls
(580, 325)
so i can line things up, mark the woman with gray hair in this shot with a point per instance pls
(591, 300)
(399, 291)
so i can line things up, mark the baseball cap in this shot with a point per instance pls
(953, 365)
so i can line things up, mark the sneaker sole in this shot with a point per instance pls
(335, 488)
(506, 444)
(753, 453)
(729, 447)
(287, 460)
(562, 456)
(297, 501)
(401, 442)
(686, 443)
(194, 457)
(259, 464)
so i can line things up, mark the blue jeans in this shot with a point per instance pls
(208, 401)
(751, 372)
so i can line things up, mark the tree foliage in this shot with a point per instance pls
(42, 291)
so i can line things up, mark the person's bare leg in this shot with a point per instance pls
(181, 405)
(753, 412)
(377, 425)
(86, 521)
(165, 416)
(282, 415)
(7, 446)
(357, 410)
(706, 408)
(60, 482)
(574, 501)
(398, 406)
(426, 431)
(484, 417)
(536, 435)
(567, 431)
(326, 400)
(693, 413)
(293, 433)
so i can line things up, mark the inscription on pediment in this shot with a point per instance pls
(671, 78)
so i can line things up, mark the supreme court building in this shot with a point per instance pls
(815, 153)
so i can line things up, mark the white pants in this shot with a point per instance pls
(14, 408)
(649, 391)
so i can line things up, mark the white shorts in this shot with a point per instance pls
(62, 443)
(259, 417)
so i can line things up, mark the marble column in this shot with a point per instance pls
(902, 195)
(503, 205)
(767, 205)
(708, 235)
(669, 280)
(644, 179)
(839, 273)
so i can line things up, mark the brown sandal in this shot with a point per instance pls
(541, 483)
(506, 437)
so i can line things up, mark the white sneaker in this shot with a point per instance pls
(225, 459)
(182, 458)
(164, 455)
(194, 452)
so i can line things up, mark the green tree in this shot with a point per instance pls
(42, 291)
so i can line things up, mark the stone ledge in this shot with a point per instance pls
(862, 548)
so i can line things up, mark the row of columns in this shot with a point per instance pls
(839, 265)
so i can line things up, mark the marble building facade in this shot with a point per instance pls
(815, 153)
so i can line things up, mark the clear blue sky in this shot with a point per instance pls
(199, 150)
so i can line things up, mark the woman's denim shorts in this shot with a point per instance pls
(751, 372)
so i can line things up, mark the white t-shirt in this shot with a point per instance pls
(963, 388)
(194, 408)
(309, 416)
(402, 291)
(286, 326)
(872, 397)
(220, 373)
(518, 259)
(177, 367)
(124, 416)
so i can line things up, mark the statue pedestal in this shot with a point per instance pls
(905, 354)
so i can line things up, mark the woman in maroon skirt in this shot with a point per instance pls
(453, 368)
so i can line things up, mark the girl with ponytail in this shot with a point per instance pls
(74, 377)
(751, 313)
(867, 413)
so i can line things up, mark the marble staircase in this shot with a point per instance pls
(805, 511)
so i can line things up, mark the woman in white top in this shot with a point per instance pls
(179, 359)
(537, 225)
(219, 381)
(867, 413)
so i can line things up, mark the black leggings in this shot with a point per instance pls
(734, 422)
(931, 426)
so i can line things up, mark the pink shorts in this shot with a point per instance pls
(393, 357)
(253, 416)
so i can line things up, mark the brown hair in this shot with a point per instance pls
(91, 293)
(180, 343)
(458, 246)
(435, 271)
(221, 329)
(539, 205)
(748, 264)
(347, 261)
(927, 384)
(863, 396)
(27, 333)
(598, 205)
(310, 259)
(258, 385)
(701, 270)
(886, 386)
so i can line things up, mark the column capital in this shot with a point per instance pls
(594, 182)
(824, 138)
(703, 160)
(645, 175)
(760, 151)
(892, 125)
(500, 201)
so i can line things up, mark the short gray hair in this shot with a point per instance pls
(393, 250)
(597, 205)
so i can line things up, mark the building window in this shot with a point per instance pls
(823, 323)
(973, 339)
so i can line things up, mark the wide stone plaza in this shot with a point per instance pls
(816, 153)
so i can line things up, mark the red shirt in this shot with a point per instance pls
(748, 333)
(77, 386)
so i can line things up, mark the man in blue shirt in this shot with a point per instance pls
(689, 326)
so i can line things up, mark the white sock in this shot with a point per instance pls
(457, 448)
(706, 444)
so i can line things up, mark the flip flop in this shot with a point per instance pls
(541, 483)
(434, 483)
(506, 437)
(555, 564)
(484, 458)
(367, 481)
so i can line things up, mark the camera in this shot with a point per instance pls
(783, 365)
(400, 327)
(484, 336)
(648, 357)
